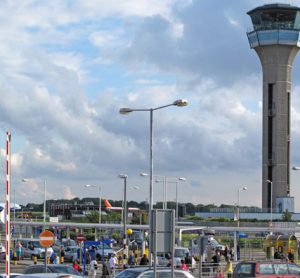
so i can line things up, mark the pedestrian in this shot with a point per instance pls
(226, 252)
(216, 260)
(113, 262)
(62, 254)
(131, 262)
(144, 260)
(93, 269)
(188, 260)
(231, 253)
(183, 266)
(291, 256)
(56, 259)
(76, 266)
(228, 268)
(52, 258)
(19, 250)
(276, 254)
(218, 273)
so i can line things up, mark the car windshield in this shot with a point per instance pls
(128, 274)
(36, 244)
(180, 253)
(214, 242)
(106, 246)
(65, 269)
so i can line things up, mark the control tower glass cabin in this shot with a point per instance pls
(275, 38)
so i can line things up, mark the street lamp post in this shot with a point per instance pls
(166, 181)
(271, 202)
(14, 207)
(125, 243)
(236, 240)
(238, 195)
(179, 103)
(45, 199)
(181, 179)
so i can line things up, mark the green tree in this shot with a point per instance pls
(93, 217)
(286, 216)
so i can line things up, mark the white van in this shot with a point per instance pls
(31, 247)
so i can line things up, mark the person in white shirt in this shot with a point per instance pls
(93, 268)
(113, 261)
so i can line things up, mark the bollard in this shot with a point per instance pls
(35, 259)
(62, 259)
(15, 257)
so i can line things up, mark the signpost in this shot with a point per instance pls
(47, 239)
(80, 238)
(162, 234)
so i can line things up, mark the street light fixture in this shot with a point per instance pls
(125, 246)
(124, 111)
(99, 188)
(296, 168)
(45, 198)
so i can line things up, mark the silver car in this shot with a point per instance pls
(145, 272)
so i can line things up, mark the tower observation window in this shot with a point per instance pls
(268, 20)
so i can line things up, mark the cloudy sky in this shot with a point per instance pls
(67, 67)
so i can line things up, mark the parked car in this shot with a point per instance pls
(98, 251)
(215, 245)
(71, 253)
(2, 248)
(48, 275)
(63, 243)
(12, 275)
(32, 247)
(145, 272)
(51, 268)
(267, 269)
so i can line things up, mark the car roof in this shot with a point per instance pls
(143, 269)
(265, 262)
(49, 275)
(51, 265)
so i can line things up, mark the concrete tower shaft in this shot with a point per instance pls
(276, 62)
(275, 39)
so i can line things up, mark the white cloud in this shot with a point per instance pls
(68, 67)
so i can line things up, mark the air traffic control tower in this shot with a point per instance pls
(275, 38)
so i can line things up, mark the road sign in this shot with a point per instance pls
(162, 231)
(80, 238)
(47, 238)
